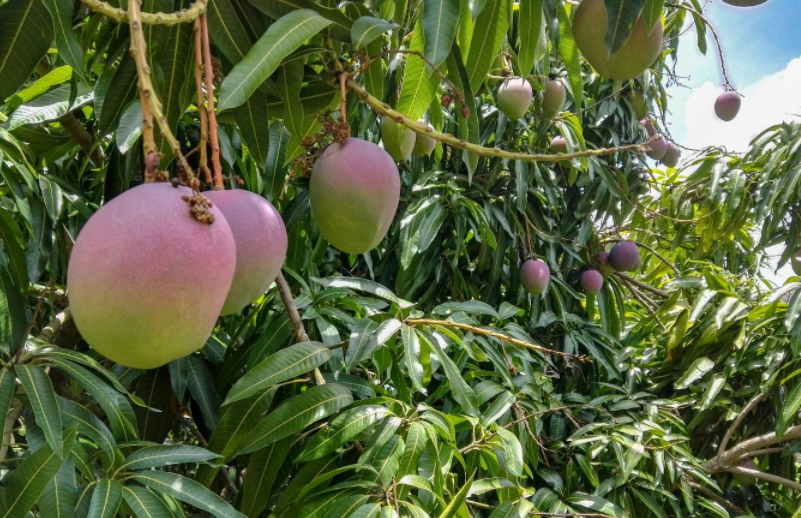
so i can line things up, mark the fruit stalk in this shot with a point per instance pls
(384, 109)
(201, 105)
(117, 14)
(147, 92)
(209, 71)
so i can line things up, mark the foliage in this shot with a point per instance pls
(445, 390)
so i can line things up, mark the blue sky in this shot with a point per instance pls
(760, 44)
(762, 47)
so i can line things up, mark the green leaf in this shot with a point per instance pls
(116, 407)
(12, 243)
(571, 56)
(460, 390)
(31, 477)
(367, 338)
(165, 455)
(419, 81)
(42, 85)
(176, 62)
(342, 429)
(790, 411)
(201, 386)
(513, 450)
(596, 503)
(43, 402)
(488, 33)
(113, 92)
(58, 498)
(468, 128)
(281, 39)
(651, 503)
(652, 13)
(416, 440)
(367, 511)
(289, 82)
(26, 31)
(67, 44)
(440, 19)
(262, 471)
(367, 28)
(281, 366)
(533, 41)
(621, 15)
(456, 503)
(13, 322)
(361, 285)
(696, 371)
(411, 357)
(106, 499)
(296, 414)
(7, 389)
(188, 491)
(73, 414)
(145, 503)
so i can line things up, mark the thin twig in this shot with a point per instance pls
(716, 498)
(766, 451)
(494, 334)
(294, 317)
(117, 14)
(738, 421)
(384, 109)
(201, 105)
(209, 71)
(648, 287)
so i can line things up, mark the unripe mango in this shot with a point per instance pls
(658, 148)
(423, 144)
(744, 3)
(746, 480)
(146, 280)
(727, 106)
(638, 103)
(535, 276)
(354, 194)
(592, 281)
(649, 127)
(602, 258)
(514, 97)
(558, 145)
(672, 155)
(625, 256)
(553, 99)
(398, 139)
(261, 243)
(635, 56)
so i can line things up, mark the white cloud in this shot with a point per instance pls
(769, 101)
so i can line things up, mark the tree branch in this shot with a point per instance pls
(84, 139)
(294, 316)
(209, 73)
(716, 498)
(724, 460)
(768, 477)
(384, 109)
(201, 105)
(502, 337)
(642, 285)
(119, 15)
(736, 424)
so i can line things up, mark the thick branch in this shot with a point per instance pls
(500, 336)
(447, 138)
(738, 421)
(768, 477)
(294, 316)
(201, 104)
(209, 73)
(726, 459)
(117, 14)
(84, 139)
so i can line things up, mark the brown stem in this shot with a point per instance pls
(150, 100)
(117, 14)
(209, 71)
(766, 451)
(201, 104)
(384, 109)
(648, 287)
(84, 139)
(738, 421)
(493, 334)
(768, 477)
(716, 498)
(724, 460)
(294, 317)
